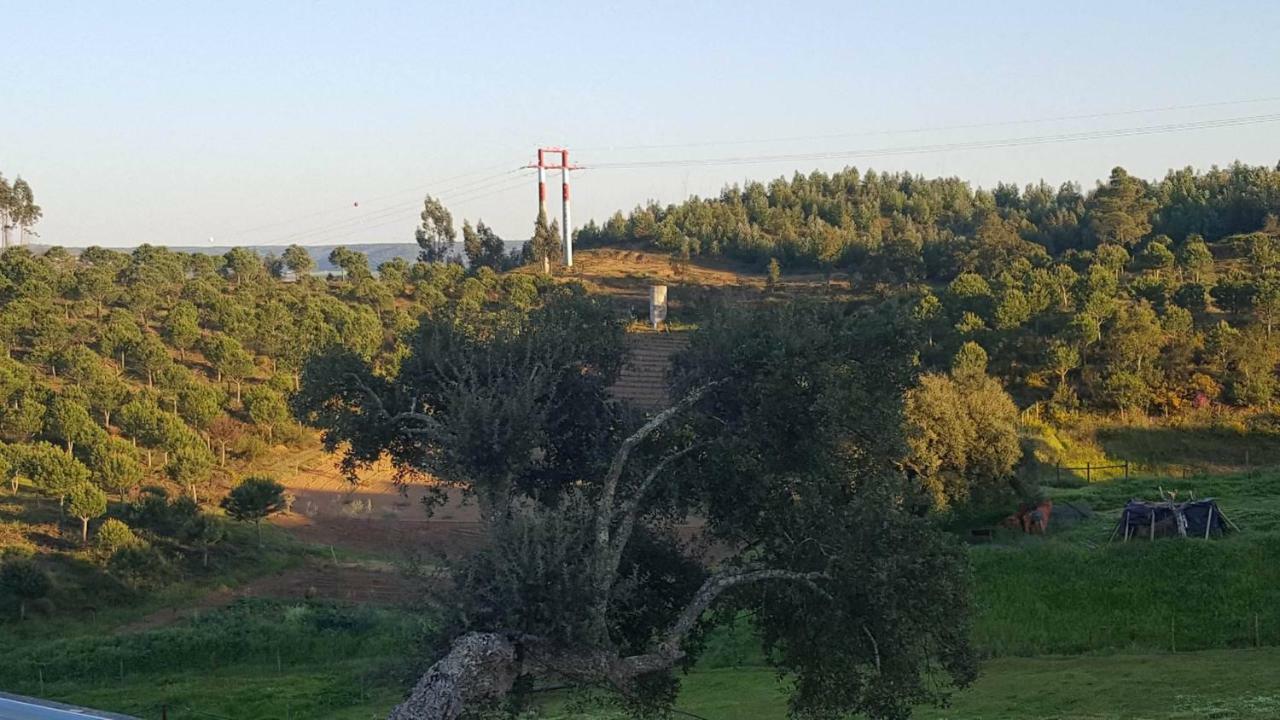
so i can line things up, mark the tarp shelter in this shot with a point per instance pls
(1149, 520)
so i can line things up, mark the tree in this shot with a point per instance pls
(115, 467)
(298, 261)
(182, 327)
(963, 437)
(223, 431)
(544, 247)
(68, 422)
(435, 235)
(105, 394)
(1195, 259)
(119, 335)
(483, 246)
(254, 499)
(228, 358)
(113, 535)
(8, 471)
(244, 265)
(204, 531)
(266, 408)
(785, 438)
(970, 361)
(51, 469)
(150, 355)
(199, 403)
(189, 464)
(24, 580)
(86, 502)
(1120, 211)
(354, 264)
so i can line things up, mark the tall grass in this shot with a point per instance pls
(248, 633)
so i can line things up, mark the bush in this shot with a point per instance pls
(138, 566)
(251, 448)
(25, 581)
(112, 535)
(155, 512)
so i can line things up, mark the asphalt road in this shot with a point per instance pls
(17, 707)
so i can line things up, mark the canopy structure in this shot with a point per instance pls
(1148, 520)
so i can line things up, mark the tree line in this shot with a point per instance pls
(1137, 296)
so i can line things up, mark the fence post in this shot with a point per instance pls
(1088, 473)
(1057, 473)
(1126, 469)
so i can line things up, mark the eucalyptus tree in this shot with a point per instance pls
(435, 235)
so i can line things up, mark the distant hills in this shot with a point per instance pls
(377, 253)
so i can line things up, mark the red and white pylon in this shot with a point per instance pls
(564, 167)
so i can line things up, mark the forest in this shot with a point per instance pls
(1136, 296)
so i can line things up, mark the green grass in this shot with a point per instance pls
(1226, 684)
(256, 658)
(86, 601)
(1074, 591)
(1221, 684)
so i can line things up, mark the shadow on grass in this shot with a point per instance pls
(1194, 449)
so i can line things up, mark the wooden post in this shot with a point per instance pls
(1153, 523)
(1126, 469)
(1088, 473)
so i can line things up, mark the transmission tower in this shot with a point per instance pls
(564, 167)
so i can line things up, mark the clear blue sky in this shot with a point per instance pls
(172, 123)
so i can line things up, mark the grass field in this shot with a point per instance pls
(1070, 626)
(1221, 684)
(254, 659)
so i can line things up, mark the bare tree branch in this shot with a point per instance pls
(605, 511)
(715, 586)
(629, 511)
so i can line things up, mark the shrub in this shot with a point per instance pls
(113, 535)
(25, 581)
(138, 566)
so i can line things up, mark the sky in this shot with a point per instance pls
(229, 123)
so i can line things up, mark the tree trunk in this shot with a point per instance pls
(480, 667)
(84, 531)
(237, 382)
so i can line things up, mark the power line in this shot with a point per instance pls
(389, 216)
(942, 147)
(935, 128)
(398, 209)
(417, 189)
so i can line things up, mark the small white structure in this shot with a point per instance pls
(657, 305)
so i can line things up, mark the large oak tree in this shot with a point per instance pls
(783, 442)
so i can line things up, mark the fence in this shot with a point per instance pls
(1089, 469)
